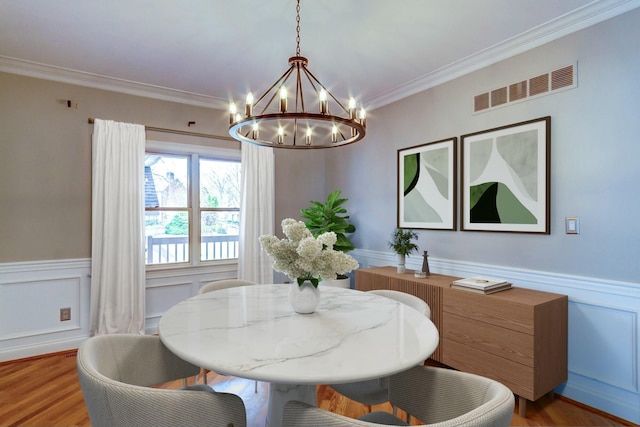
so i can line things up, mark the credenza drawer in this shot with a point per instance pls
(519, 378)
(506, 343)
(494, 309)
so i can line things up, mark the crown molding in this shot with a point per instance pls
(97, 81)
(591, 14)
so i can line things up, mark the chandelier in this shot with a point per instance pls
(274, 121)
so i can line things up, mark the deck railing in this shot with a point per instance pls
(171, 249)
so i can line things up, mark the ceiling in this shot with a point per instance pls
(206, 52)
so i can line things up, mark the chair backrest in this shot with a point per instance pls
(405, 298)
(439, 397)
(115, 372)
(223, 284)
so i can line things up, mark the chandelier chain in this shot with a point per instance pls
(298, 29)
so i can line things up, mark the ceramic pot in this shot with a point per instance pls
(337, 283)
(303, 298)
(401, 268)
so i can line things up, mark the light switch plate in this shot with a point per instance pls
(572, 225)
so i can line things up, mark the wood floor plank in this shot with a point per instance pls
(45, 391)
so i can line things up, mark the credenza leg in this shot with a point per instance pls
(522, 407)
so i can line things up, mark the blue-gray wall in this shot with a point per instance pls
(595, 152)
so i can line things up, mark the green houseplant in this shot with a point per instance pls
(402, 244)
(330, 216)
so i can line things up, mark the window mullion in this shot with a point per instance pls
(195, 209)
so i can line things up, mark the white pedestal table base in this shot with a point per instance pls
(280, 394)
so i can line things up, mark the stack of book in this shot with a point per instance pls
(481, 285)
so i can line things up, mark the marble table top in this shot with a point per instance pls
(252, 332)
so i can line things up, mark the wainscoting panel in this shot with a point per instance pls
(31, 296)
(609, 337)
(39, 316)
(32, 293)
(604, 325)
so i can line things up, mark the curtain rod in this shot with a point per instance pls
(181, 132)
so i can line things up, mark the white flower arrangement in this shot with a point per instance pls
(304, 257)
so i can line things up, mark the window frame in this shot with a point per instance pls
(193, 154)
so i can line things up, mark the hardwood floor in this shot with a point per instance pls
(45, 391)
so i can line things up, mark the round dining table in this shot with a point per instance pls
(252, 332)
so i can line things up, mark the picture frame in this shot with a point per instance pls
(505, 178)
(427, 185)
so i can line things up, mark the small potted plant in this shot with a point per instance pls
(402, 244)
(330, 216)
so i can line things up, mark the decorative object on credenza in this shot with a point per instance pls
(402, 244)
(427, 185)
(422, 274)
(481, 285)
(506, 178)
(425, 264)
(305, 258)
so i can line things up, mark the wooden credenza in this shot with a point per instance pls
(517, 337)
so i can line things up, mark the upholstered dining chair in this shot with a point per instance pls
(376, 391)
(438, 397)
(117, 373)
(224, 284)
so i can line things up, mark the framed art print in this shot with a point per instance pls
(427, 185)
(505, 178)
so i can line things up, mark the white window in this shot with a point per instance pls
(192, 204)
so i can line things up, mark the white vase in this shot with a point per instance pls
(303, 298)
(401, 268)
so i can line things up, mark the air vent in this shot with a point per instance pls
(481, 102)
(562, 78)
(498, 96)
(543, 84)
(518, 91)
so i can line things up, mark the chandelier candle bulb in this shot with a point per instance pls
(254, 133)
(307, 138)
(248, 108)
(352, 109)
(334, 133)
(233, 112)
(363, 117)
(324, 102)
(280, 135)
(283, 99)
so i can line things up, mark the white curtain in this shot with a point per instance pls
(256, 212)
(117, 245)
